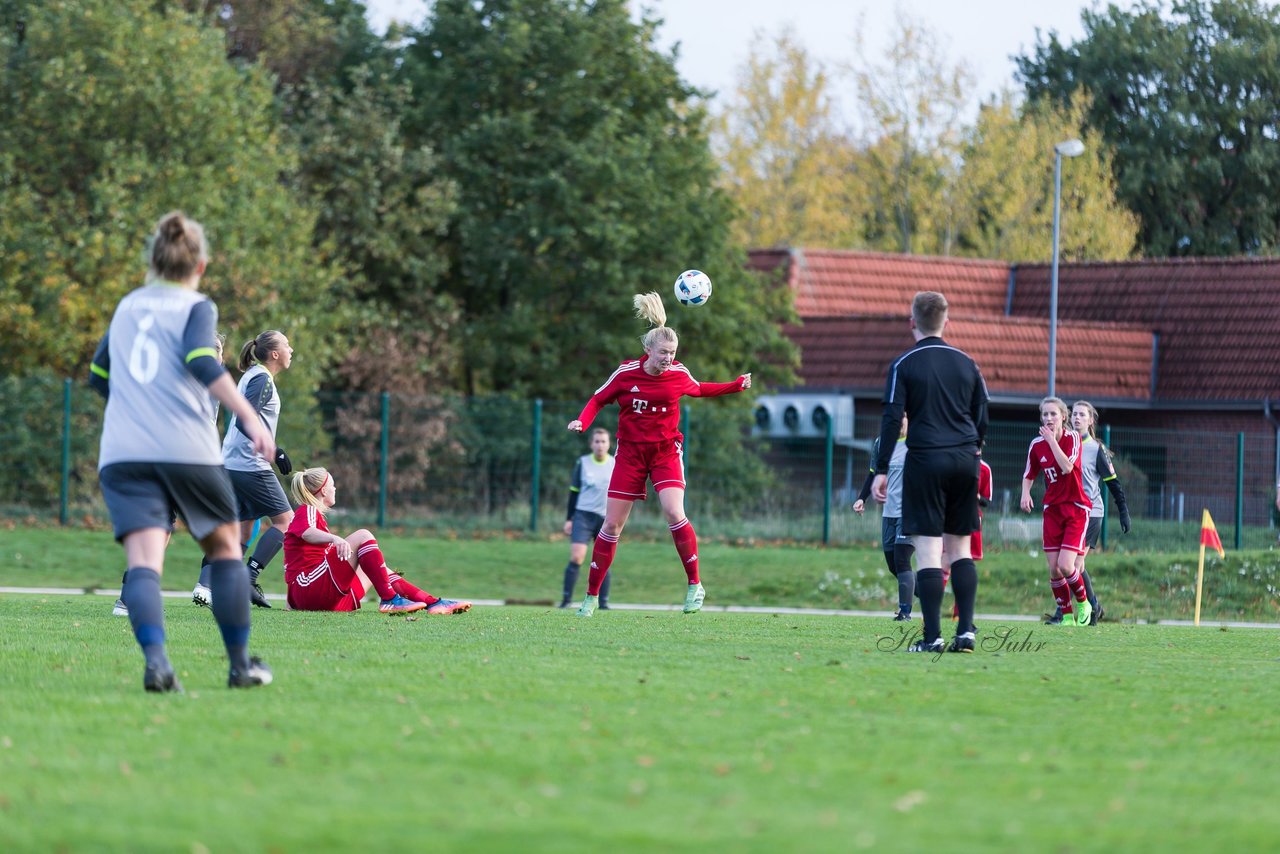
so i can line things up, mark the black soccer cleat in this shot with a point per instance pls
(962, 643)
(1097, 613)
(161, 679)
(257, 597)
(901, 617)
(257, 674)
(1054, 619)
(926, 646)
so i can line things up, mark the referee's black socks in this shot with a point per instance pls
(964, 586)
(929, 589)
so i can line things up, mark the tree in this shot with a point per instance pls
(100, 134)
(584, 176)
(911, 106)
(296, 40)
(1187, 101)
(786, 163)
(1005, 188)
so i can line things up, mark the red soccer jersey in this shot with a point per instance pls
(1059, 488)
(984, 483)
(650, 406)
(299, 555)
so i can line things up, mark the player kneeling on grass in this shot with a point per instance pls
(325, 572)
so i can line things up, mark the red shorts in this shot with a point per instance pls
(1064, 528)
(975, 545)
(331, 586)
(635, 462)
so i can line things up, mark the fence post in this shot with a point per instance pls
(1239, 490)
(1106, 443)
(66, 450)
(382, 459)
(826, 482)
(537, 464)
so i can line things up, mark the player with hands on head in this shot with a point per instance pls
(1097, 468)
(650, 447)
(1055, 453)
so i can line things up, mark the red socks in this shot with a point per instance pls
(369, 556)
(1061, 593)
(1076, 582)
(601, 559)
(687, 547)
(409, 591)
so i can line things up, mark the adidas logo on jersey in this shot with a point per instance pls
(1044, 459)
(635, 388)
(692, 558)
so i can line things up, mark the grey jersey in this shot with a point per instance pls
(591, 482)
(893, 495)
(157, 410)
(1096, 467)
(237, 451)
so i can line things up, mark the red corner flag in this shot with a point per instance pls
(1209, 535)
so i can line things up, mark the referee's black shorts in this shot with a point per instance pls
(940, 491)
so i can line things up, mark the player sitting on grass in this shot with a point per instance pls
(325, 572)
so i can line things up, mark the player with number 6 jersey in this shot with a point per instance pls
(650, 446)
(158, 368)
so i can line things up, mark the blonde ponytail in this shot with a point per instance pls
(649, 306)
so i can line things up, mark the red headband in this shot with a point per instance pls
(322, 483)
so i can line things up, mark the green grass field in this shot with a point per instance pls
(528, 729)
(525, 728)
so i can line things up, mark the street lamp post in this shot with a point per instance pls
(1068, 148)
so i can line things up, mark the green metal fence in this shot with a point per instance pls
(460, 464)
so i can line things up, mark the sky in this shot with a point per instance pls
(715, 35)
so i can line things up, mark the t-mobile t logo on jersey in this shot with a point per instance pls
(638, 405)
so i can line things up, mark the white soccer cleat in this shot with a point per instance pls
(693, 599)
(202, 596)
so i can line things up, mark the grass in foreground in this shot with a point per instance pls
(529, 729)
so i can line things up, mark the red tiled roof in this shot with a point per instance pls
(854, 353)
(830, 282)
(1218, 319)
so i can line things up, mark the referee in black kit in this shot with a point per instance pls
(944, 397)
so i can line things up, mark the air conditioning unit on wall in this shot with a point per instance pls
(804, 416)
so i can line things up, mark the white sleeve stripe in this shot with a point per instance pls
(625, 366)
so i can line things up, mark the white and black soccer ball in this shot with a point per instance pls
(693, 288)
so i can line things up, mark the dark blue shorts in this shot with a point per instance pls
(586, 526)
(258, 494)
(148, 495)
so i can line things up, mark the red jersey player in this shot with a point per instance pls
(325, 572)
(1056, 453)
(648, 391)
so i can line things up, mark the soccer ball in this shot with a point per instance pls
(693, 288)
